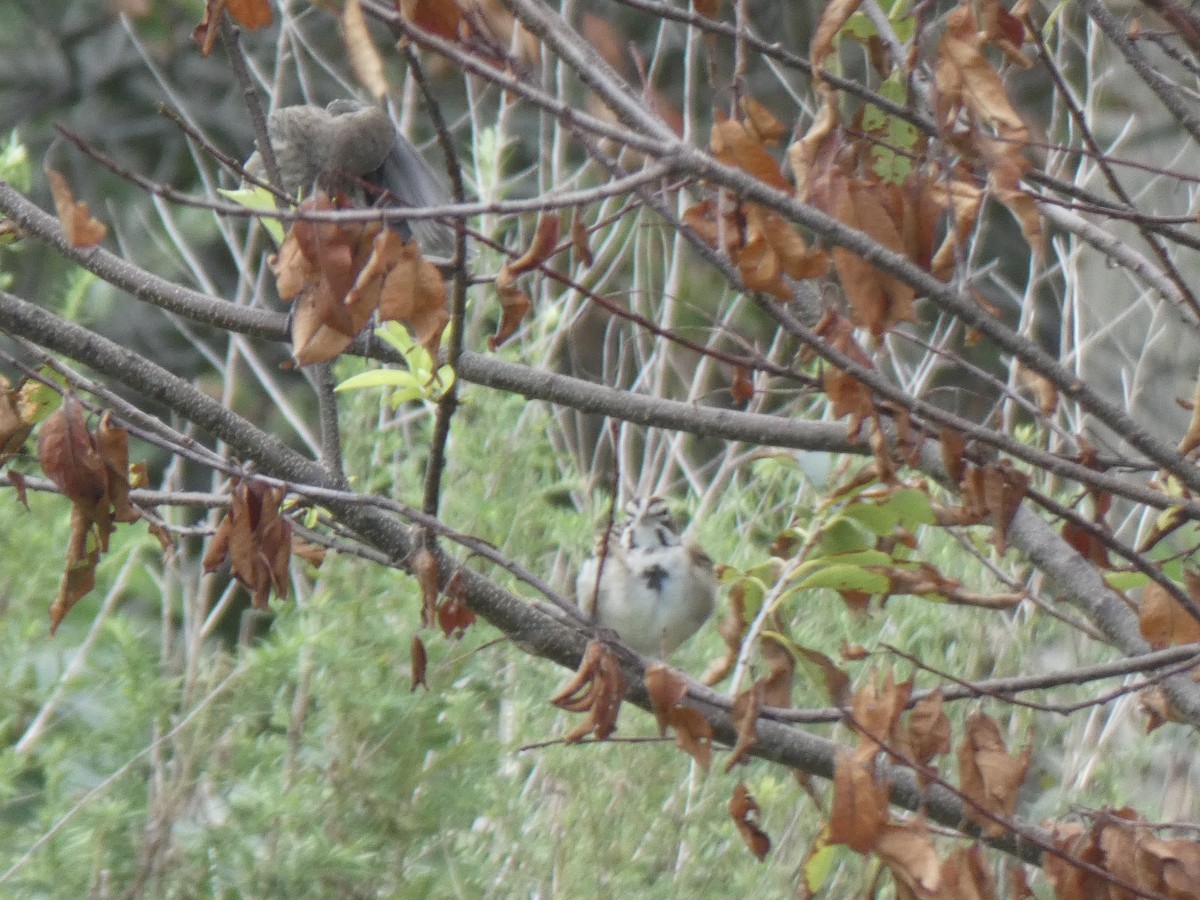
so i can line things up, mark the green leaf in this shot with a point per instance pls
(1126, 581)
(821, 864)
(913, 506)
(869, 557)
(846, 578)
(878, 518)
(260, 200)
(396, 378)
(842, 536)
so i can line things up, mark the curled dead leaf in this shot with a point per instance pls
(544, 241)
(425, 569)
(514, 307)
(666, 689)
(79, 226)
(597, 688)
(420, 661)
(743, 809)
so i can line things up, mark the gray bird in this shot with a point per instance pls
(347, 144)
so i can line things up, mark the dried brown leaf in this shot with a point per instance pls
(781, 673)
(420, 662)
(454, 616)
(908, 852)
(413, 292)
(693, 734)
(667, 690)
(1163, 620)
(545, 239)
(250, 14)
(837, 682)
(68, 455)
(988, 773)
(79, 226)
(761, 122)
(743, 809)
(860, 803)
(741, 389)
(1004, 487)
(425, 569)
(875, 712)
(833, 17)
(514, 307)
(735, 146)
(966, 80)
(79, 574)
(877, 300)
(17, 480)
(441, 17)
(597, 687)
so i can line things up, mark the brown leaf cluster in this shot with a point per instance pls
(79, 226)
(991, 493)
(256, 539)
(859, 813)
(832, 168)
(762, 244)
(597, 688)
(860, 817)
(969, 87)
(92, 471)
(988, 773)
(877, 300)
(966, 82)
(1124, 847)
(340, 275)
(693, 734)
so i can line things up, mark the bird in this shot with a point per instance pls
(349, 145)
(646, 583)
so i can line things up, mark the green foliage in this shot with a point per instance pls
(422, 381)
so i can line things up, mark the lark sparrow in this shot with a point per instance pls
(645, 583)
